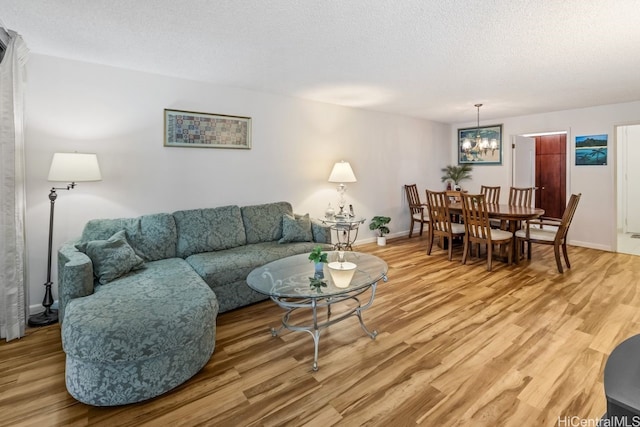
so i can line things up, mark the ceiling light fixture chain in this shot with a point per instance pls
(473, 148)
(478, 125)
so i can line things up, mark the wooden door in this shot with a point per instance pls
(551, 166)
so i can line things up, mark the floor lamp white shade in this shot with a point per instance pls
(74, 167)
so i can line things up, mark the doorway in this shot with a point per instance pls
(546, 166)
(551, 174)
(628, 191)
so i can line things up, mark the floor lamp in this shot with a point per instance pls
(72, 168)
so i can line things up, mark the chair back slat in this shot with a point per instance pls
(491, 194)
(413, 198)
(438, 203)
(520, 197)
(476, 218)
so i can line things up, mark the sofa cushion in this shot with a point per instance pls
(205, 230)
(226, 271)
(263, 223)
(296, 229)
(153, 237)
(111, 258)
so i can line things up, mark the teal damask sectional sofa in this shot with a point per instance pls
(139, 296)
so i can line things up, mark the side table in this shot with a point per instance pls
(344, 228)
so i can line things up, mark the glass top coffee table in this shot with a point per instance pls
(287, 282)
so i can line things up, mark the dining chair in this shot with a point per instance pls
(455, 196)
(520, 196)
(554, 234)
(478, 230)
(491, 194)
(441, 224)
(416, 208)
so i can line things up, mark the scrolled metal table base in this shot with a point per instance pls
(291, 305)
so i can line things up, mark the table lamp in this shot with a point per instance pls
(72, 168)
(342, 173)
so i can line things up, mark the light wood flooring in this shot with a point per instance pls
(457, 345)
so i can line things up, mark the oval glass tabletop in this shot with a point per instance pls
(290, 277)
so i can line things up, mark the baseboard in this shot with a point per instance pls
(590, 245)
(406, 233)
(35, 309)
(375, 239)
(38, 308)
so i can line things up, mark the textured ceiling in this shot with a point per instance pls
(429, 59)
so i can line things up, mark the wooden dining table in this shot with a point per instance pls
(512, 215)
(504, 212)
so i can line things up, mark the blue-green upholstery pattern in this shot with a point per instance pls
(296, 228)
(111, 258)
(263, 223)
(153, 237)
(205, 230)
(152, 329)
(139, 336)
(226, 271)
(321, 232)
(75, 275)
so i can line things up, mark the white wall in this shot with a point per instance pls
(118, 114)
(628, 176)
(594, 224)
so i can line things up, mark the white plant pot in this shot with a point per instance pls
(382, 241)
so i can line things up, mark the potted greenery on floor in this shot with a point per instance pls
(379, 223)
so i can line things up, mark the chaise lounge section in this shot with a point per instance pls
(139, 296)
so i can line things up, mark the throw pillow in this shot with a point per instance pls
(111, 258)
(296, 229)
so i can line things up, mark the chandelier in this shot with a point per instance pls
(479, 144)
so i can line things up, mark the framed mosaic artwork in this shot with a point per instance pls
(191, 129)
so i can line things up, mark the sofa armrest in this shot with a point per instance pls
(75, 276)
(321, 232)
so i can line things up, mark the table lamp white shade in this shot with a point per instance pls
(342, 172)
(74, 167)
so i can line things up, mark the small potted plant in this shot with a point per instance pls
(379, 223)
(456, 174)
(319, 258)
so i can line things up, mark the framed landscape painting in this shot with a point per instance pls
(480, 145)
(591, 150)
(191, 129)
